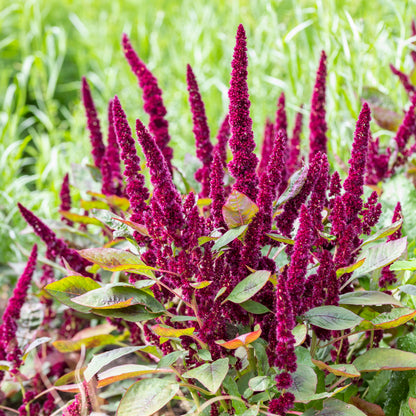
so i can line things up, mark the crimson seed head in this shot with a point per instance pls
(266, 147)
(317, 123)
(201, 132)
(222, 140)
(217, 190)
(404, 79)
(93, 124)
(407, 127)
(293, 162)
(153, 101)
(244, 163)
(65, 197)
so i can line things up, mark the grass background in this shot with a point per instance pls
(46, 46)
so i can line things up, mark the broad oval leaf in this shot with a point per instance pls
(116, 296)
(384, 232)
(299, 332)
(169, 332)
(116, 260)
(238, 210)
(241, 340)
(403, 265)
(332, 317)
(70, 287)
(145, 397)
(364, 297)
(126, 371)
(211, 375)
(408, 289)
(254, 307)
(304, 383)
(343, 370)
(394, 318)
(381, 255)
(335, 407)
(229, 236)
(296, 182)
(367, 407)
(249, 286)
(260, 383)
(377, 359)
(134, 313)
(101, 360)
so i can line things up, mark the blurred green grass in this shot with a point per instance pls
(46, 46)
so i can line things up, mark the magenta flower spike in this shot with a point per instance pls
(110, 169)
(136, 190)
(153, 101)
(222, 140)
(317, 123)
(12, 312)
(201, 132)
(281, 118)
(407, 127)
(55, 246)
(267, 146)
(413, 53)
(281, 124)
(404, 79)
(377, 163)
(164, 192)
(293, 162)
(93, 124)
(371, 213)
(65, 197)
(354, 183)
(217, 190)
(244, 163)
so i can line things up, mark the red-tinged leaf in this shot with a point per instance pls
(70, 287)
(80, 219)
(220, 293)
(70, 382)
(96, 204)
(343, 370)
(126, 371)
(350, 268)
(146, 397)
(377, 359)
(394, 318)
(116, 260)
(249, 286)
(370, 409)
(242, 340)
(296, 182)
(384, 232)
(119, 202)
(141, 229)
(238, 210)
(169, 332)
(332, 317)
(200, 285)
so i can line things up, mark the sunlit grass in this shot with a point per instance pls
(47, 45)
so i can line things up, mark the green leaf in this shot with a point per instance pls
(403, 265)
(377, 359)
(249, 286)
(116, 260)
(171, 358)
(384, 232)
(80, 219)
(332, 317)
(231, 387)
(281, 238)
(348, 269)
(220, 292)
(134, 313)
(116, 296)
(35, 344)
(296, 182)
(95, 204)
(108, 218)
(70, 287)
(145, 397)
(254, 307)
(205, 355)
(409, 289)
(229, 236)
(169, 332)
(210, 375)
(299, 332)
(101, 360)
(364, 297)
(238, 210)
(260, 383)
(89, 342)
(342, 370)
(304, 383)
(335, 407)
(380, 255)
(394, 318)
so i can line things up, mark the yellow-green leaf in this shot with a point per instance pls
(238, 210)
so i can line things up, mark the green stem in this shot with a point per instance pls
(252, 365)
(314, 344)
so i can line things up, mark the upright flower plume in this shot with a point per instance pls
(317, 123)
(164, 192)
(354, 183)
(12, 312)
(404, 79)
(293, 162)
(377, 163)
(222, 140)
(201, 132)
(244, 163)
(266, 147)
(65, 197)
(413, 53)
(136, 190)
(217, 190)
(407, 127)
(110, 169)
(93, 124)
(55, 246)
(153, 101)
(281, 124)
